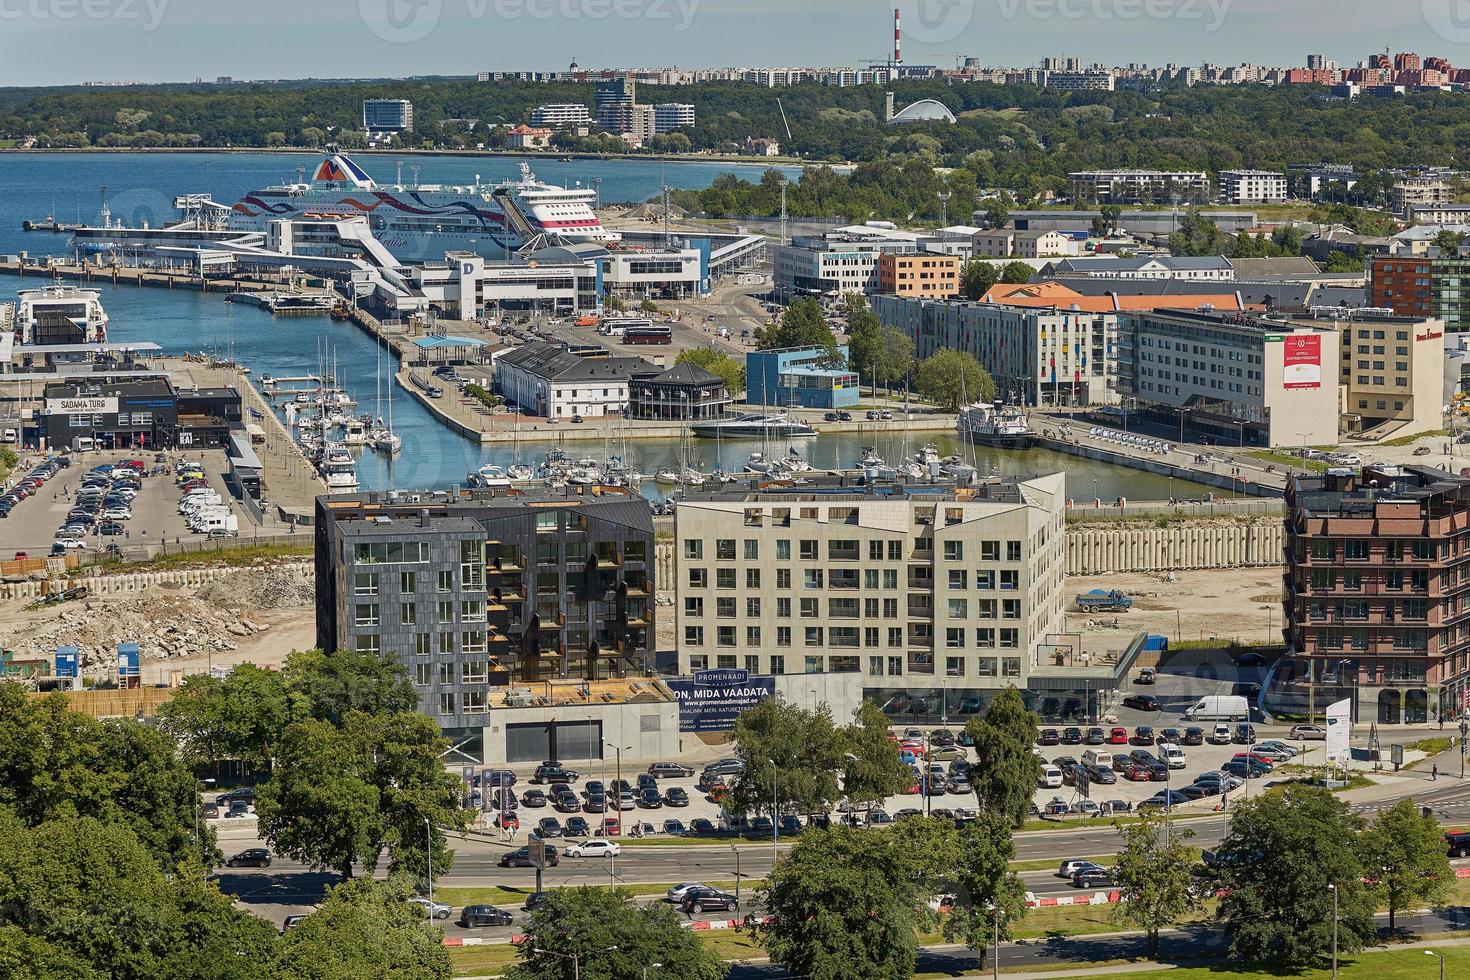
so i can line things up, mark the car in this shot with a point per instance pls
(1087, 808)
(1307, 733)
(246, 793)
(1244, 734)
(1057, 807)
(1116, 806)
(1458, 843)
(521, 858)
(547, 773)
(111, 528)
(611, 827)
(534, 799)
(1069, 868)
(675, 828)
(1292, 751)
(1193, 735)
(576, 420)
(1141, 702)
(1118, 736)
(595, 803)
(576, 827)
(676, 893)
(624, 800)
(1095, 877)
(221, 532)
(1257, 757)
(548, 827)
(568, 803)
(670, 770)
(292, 921)
(1204, 789)
(1095, 736)
(1190, 793)
(1163, 798)
(1219, 735)
(238, 810)
(70, 532)
(702, 826)
(790, 825)
(1270, 753)
(960, 784)
(650, 799)
(251, 857)
(593, 787)
(761, 827)
(434, 910)
(209, 811)
(1170, 735)
(879, 818)
(676, 796)
(594, 848)
(480, 916)
(117, 514)
(707, 899)
(506, 821)
(1103, 777)
(1071, 736)
(1049, 736)
(1137, 772)
(1143, 735)
(725, 767)
(1245, 769)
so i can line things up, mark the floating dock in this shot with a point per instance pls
(288, 304)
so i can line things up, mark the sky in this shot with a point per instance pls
(54, 42)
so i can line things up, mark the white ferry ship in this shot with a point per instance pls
(423, 221)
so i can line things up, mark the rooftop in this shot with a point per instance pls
(856, 489)
(556, 363)
(1349, 493)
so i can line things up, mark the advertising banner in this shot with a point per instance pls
(81, 406)
(713, 699)
(1339, 730)
(1302, 361)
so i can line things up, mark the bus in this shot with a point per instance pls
(657, 334)
(616, 326)
(588, 350)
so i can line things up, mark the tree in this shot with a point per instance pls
(24, 957)
(802, 325)
(951, 378)
(895, 358)
(1343, 262)
(1155, 879)
(848, 903)
(982, 883)
(1279, 857)
(648, 306)
(1112, 215)
(363, 929)
(1448, 242)
(977, 278)
(331, 685)
(1016, 273)
(806, 748)
(998, 214)
(718, 363)
(1006, 772)
(1403, 852)
(576, 927)
(871, 769)
(239, 716)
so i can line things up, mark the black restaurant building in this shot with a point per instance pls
(140, 413)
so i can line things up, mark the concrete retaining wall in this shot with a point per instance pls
(1092, 550)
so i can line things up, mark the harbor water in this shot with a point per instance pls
(36, 185)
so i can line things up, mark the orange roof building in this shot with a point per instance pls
(1055, 296)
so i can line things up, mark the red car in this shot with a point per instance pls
(1258, 758)
(610, 828)
(507, 821)
(1118, 736)
(1136, 773)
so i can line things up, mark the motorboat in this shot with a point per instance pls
(491, 477)
(927, 454)
(998, 426)
(752, 426)
(338, 468)
(666, 476)
(758, 463)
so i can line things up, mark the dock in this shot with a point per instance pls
(287, 304)
(1210, 465)
(50, 224)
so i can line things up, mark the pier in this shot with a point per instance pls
(1209, 465)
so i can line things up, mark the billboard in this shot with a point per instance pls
(81, 406)
(1339, 730)
(1301, 365)
(713, 699)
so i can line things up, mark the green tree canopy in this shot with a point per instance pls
(238, 716)
(1006, 772)
(1275, 866)
(1404, 854)
(871, 769)
(25, 957)
(1016, 273)
(716, 362)
(802, 325)
(977, 278)
(981, 880)
(1156, 879)
(331, 685)
(363, 930)
(952, 378)
(998, 212)
(585, 922)
(806, 747)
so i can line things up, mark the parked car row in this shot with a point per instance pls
(30, 483)
(102, 504)
(203, 508)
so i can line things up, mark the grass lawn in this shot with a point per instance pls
(1287, 459)
(1409, 440)
(1394, 964)
(481, 961)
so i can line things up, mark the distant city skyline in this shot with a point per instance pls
(61, 42)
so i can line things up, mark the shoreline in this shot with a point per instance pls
(488, 154)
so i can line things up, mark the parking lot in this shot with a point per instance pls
(31, 524)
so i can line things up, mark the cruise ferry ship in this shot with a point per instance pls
(60, 314)
(423, 221)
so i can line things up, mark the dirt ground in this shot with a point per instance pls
(1240, 603)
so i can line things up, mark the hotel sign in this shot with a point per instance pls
(1302, 361)
(81, 406)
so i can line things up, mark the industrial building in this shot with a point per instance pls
(119, 412)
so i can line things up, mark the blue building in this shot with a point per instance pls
(795, 377)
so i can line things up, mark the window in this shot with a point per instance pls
(724, 578)
(954, 637)
(698, 578)
(408, 613)
(365, 614)
(446, 643)
(446, 703)
(423, 675)
(875, 551)
(783, 636)
(990, 551)
(724, 549)
(390, 552)
(407, 582)
(365, 583)
(895, 551)
(1010, 609)
(814, 636)
(472, 641)
(813, 664)
(895, 636)
(958, 579)
(423, 644)
(694, 549)
(752, 607)
(752, 549)
(843, 636)
(843, 550)
(693, 605)
(959, 609)
(783, 549)
(472, 611)
(475, 703)
(985, 579)
(446, 580)
(1010, 580)
(843, 578)
(954, 666)
(783, 579)
(473, 672)
(954, 551)
(725, 607)
(1010, 666)
(694, 636)
(986, 667)
(808, 550)
(890, 578)
(1013, 551)
(1356, 549)
(783, 607)
(699, 662)
(810, 608)
(875, 666)
(842, 608)
(725, 637)
(752, 638)
(870, 636)
(778, 663)
(1010, 638)
(444, 611)
(752, 578)
(812, 578)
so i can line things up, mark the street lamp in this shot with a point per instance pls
(995, 964)
(1333, 888)
(775, 805)
(576, 958)
(1430, 952)
(1464, 730)
(612, 857)
(429, 854)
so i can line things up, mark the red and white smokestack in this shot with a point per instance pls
(897, 40)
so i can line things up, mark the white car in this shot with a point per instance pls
(594, 848)
(71, 544)
(117, 514)
(677, 892)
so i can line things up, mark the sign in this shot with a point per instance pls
(713, 699)
(536, 850)
(485, 806)
(1339, 730)
(81, 406)
(1429, 335)
(1302, 361)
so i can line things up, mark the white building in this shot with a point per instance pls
(1080, 81)
(669, 116)
(561, 115)
(1252, 187)
(1206, 268)
(387, 116)
(1440, 214)
(545, 379)
(1139, 187)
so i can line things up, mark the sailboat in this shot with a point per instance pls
(385, 440)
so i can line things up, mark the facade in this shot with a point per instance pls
(1323, 181)
(525, 137)
(1423, 287)
(683, 393)
(1252, 187)
(1199, 268)
(960, 587)
(1139, 187)
(1237, 378)
(667, 273)
(798, 377)
(1036, 356)
(1440, 214)
(669, 116)
(387, 116)
(1375, 594)
(478, 591)
(761, 146)
(137, 413)
(546, 379)
(1420, 192)
(469, 286)
(561, 115)
(1392, 372)
(1080, 81)
(1007, 243)
(610, 95)
(834, 264)
(921, 274)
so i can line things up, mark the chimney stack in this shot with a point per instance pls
(897, 40)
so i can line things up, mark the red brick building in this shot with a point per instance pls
(1404, 285)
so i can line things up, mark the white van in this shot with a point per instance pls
(1172, 755)
(1098, 758)
(1051, 777)
(1220, 707)
(9, 437)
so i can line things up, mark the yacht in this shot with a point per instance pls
(999, 426)
(692, 477)
(490, 477)
(927, 454)
(520, 471)
(752, 426)
(794, 463)
(758, 463)
(355, 433)
(385, 440)
(666, 475)
(339, 469)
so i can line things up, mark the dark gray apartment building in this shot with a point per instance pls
(480, 591)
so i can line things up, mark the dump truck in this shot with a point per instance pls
(1102, 600)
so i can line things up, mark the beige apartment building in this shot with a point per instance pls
(930, 591)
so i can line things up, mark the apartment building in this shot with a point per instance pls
(1008, 243)
(1391, 371)
(561, 115)
(669, 116)
(915, 587)
(387, 116)
(1440, 214)
(1139, 187)
(1079, 81)
(834, 264)
(1423, 287)
(478, 591)
(1193, 267)
(1236, 378)
(922, 274)
(1375, 598)
(1252, 187)
(1420, 192)
(547, 379)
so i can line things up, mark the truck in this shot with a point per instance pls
(1233, 707)
(1102, 600)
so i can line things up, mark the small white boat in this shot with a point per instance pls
(692, 478)
(870, 459)
(339, 469)
(666, 476)
(387, 441)
(758, 463)
(927, 454)
(355, 433)
(520, 471)
(794, 463)
(492, 477)
(582, 477)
